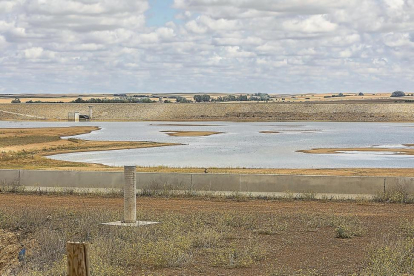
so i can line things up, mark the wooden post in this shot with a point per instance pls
(78, 259)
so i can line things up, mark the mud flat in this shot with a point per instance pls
(27, 148)
(269, 131)
(399, 151)
(179, 133)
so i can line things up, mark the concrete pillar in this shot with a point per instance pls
(76, 116)
(130, 197)
(90, 112)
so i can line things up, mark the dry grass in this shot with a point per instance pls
(391, 258)
(179, 240)
(210, 237)
(334, 172)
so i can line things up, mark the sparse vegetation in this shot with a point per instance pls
(391, 258)
(348, 227)
(397, 194)
(120, 251)
(244, 238)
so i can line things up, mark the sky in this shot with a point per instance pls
(228, 46)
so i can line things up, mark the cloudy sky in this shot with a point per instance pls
(274, 46)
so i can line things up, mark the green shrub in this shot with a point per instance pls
(347, 227)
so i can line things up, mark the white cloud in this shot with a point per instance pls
(3, 42)
(211, 45)
(312, 24)
(194, 27)
(33, 53)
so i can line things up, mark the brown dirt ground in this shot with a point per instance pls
(294, 249)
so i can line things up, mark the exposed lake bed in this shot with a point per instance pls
(242, 145)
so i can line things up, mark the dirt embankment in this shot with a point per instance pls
(341, 112)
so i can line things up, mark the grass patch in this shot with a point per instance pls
(121, 251)
(25, 140)
(398, 194)
(391, 258)
(237, 257)
(344, 226)
(407, 228)
(348, 227)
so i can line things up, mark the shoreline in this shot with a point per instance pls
(31, 155)
(29, 147)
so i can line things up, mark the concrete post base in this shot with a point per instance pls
(133, 224)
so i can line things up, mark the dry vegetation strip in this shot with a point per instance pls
(332, 172)
(210, 236)
(402, 151)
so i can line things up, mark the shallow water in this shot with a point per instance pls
(242, 144)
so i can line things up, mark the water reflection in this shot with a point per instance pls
(243, 144)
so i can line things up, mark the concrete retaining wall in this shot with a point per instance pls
(9, 177)
(209, 182)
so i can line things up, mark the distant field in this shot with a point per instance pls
(327, 97)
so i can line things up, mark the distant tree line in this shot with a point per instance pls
(232, 98)
(202, 98)
(114, 100)
(397, 94)
(182, 100)
(31, 101)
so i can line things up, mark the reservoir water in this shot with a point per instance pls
(241, 144)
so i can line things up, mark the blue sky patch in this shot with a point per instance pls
(160, 12)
